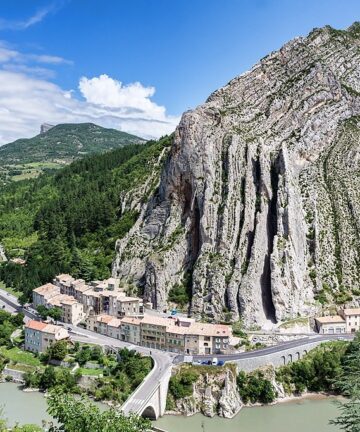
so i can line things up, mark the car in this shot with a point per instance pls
(220, 363)
(214, 361)
(206, 362)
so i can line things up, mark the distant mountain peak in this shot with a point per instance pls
(56, 146)
(45, 127)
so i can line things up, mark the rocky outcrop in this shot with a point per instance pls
(257, 213)
(214, 393)
(3, 257)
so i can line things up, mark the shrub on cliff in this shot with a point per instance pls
(181, 385)
(255, 387)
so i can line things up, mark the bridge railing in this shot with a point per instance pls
(128, 400)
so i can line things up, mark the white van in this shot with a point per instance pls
(214, 361)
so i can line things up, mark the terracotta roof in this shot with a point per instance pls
(131, 320)
(51, 328)
(78, 282)
(69, 301)
(36, 325)
(115, 322)
(91, 293)
(81, 288)
(331, 319)
(47, 289)
(160, 321)
(60, 298)
(204, 329)
(181, 330)
(104, 319)
(123, 299)
(354, 311)
(106, 293)
(64, 277)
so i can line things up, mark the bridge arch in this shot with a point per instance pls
(283, 360)
(305, 352)
(290, 358)
(150, 413)
(297, 356)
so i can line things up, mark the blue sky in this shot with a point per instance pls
(137, 64)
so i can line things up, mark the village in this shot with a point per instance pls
(103, 307)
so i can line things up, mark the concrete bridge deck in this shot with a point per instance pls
(149, 399)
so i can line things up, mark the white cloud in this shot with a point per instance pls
(108, 92)
(27, 101)
(9, 54)
(49, 59)
(28, 22)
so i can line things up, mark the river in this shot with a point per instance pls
(302, 415)
(299, 416)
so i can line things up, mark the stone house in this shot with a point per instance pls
(121, 305)
(352, 319)
(130, 330)
(72, 311)
(39, 335)
(333, 324)
(43, 294)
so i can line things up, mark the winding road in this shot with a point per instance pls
(163, 360)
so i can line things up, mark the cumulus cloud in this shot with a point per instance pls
(108, 92)
(27, 101)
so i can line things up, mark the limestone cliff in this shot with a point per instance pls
(213, 393)
(2, 254)
(257, 212)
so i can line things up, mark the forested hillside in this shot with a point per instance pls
(69, 222)
(58, 146)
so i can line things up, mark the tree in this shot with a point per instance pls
(80, 415)
(42, 311)
(83, 356)
(58, 350)
(55, 313)
(18, 319)
(349, 384)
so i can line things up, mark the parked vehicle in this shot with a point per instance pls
(220, 363)
(214, 361)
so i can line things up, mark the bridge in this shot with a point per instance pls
(278, 355)
(149, 399)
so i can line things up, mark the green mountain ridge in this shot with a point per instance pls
(58, 146)
(70, 220)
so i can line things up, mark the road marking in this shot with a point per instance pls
(136, 401)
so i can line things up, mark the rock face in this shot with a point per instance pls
(213, 394)
(257, 212)
(45, 127)
(3, 257)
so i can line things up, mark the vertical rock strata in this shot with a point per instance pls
(257, 210)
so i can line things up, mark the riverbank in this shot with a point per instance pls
(310, 412)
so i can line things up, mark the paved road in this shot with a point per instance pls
(269, 350)
(162, 360)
